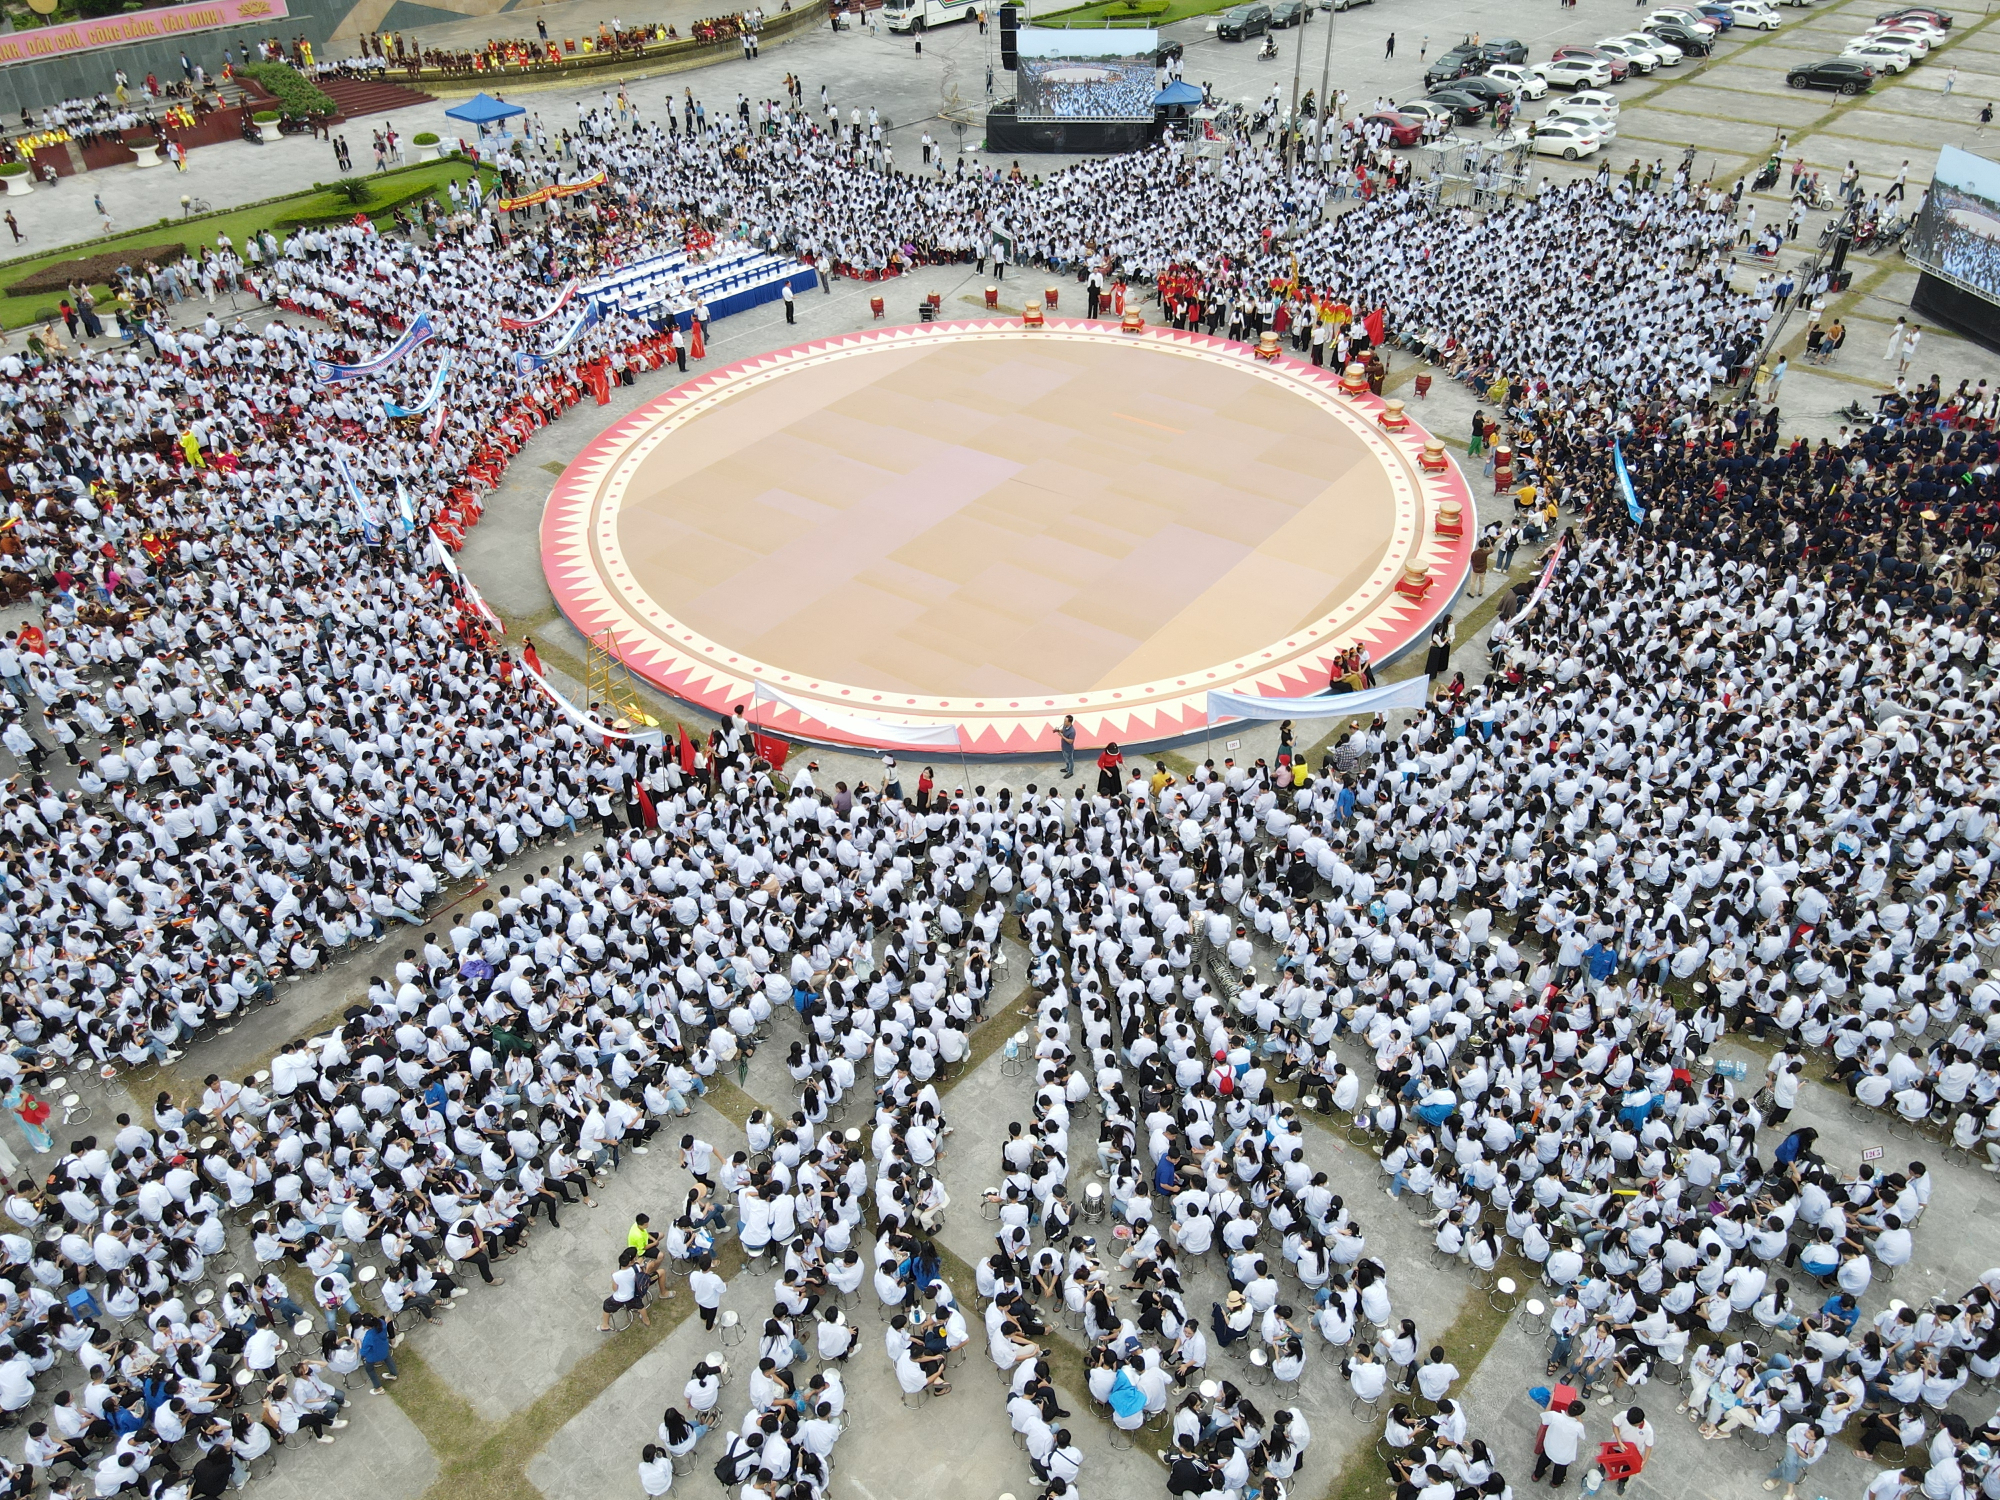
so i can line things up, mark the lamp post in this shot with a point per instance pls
(1326, 75)
(1298, 61)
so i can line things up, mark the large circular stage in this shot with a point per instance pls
(981, 527)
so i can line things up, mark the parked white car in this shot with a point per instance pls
(1575, 73)
(1668, 54)
(1918, 43)
(1911, 26)
(1665, 55)
(1642, 59)
(1694, 20)
(1524, 81)
(1758, 14)
(1569, 139)
(1883, 57)
(1597, 99)
(1599, 123)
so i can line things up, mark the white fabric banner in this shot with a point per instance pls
(442, 555)
(572, 712)
(1411, 692)
(939, 735)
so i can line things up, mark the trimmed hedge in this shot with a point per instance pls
(267, 117)
(93, 270)
(14, 169)
(296, 94)
(424, 138)
(339, 205)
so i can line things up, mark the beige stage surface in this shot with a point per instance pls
(1006, 516)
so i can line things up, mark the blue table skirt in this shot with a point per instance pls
(804, 279)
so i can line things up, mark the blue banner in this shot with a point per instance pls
(1632, 506)
(418, 333)
(392, 411)
(526, 364)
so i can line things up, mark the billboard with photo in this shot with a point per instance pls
(1957, 233)
(1086, 75)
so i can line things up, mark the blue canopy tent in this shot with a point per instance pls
(484, 112)
(1177, 92)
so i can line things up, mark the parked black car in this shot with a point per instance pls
(1504, 50)
(1691, 43)
(1481, 87)
(1290, 13)
(1466, 109)
(1169, 52)
(1842, 73)
(1243, 21)
(1456, 63)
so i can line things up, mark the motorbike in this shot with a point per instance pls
(1270, 47)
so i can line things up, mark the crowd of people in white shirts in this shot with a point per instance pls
(287, 733)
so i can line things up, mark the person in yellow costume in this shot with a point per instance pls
(191, 446)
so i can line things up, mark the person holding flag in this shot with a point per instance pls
(1632, 507)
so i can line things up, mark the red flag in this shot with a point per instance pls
(534, 662)
(1374, 323)
(687, 752)
(646, 811)
(771, 748)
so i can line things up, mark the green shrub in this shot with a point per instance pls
(424, 138)
(267, 117)
(14, 169)
(295, 93)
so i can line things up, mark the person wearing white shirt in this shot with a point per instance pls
(707, 1289)
(656, 1470)
(1631, 1427)
(1562, 1438)
(1434, 1376)
(1893, 1245)
(1366, 1375)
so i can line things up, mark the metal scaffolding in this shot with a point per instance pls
(607, 680)
(1476, 175)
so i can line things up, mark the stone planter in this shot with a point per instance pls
(268, 131)
(20, 184)
(146, 156)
